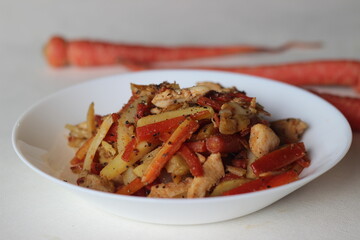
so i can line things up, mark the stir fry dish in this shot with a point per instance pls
(172, 142)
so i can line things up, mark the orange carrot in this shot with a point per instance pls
(320, 72)
(131, 188)
(81, 152)
(60, 52)
(348, 106)
(169, 148)
(56, 52)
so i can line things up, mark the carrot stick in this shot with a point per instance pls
(348, 106)
(60, 52)
(170, 147)
(320, 72)
(131, 188)
(192, 160)
(81, 152)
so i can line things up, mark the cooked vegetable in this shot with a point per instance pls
(169, 148)
(225, 186)
(224, 143)
(131, 188)
(279, 158)
(192, 161)
(151, 119)
(213, 142)
(104, 128)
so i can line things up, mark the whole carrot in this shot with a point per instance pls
(60, 52)
(319, 72)
(348, 106)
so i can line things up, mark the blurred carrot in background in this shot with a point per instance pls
(320, 72)
(348, 106)
(85, 52)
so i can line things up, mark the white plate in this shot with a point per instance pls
(39, 138)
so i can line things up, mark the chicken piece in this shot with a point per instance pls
(172, 96)
(78, 134)
(152, 89)
(106, 152)
(289, 130)
(216, 87)
(211, 85)
(171, 189)
(262, 140)
(213, 172)
(95, 182)
(233, 118)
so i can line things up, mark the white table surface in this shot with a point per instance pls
(32, 207)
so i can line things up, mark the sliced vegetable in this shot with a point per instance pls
(172, 114)
(170, 147)
(117, 165)
(279, 158)
(224, 143)
(145, 161)
(282, 179)
(129, 150)
(81, 152)
(252, 186)
(192, 160)
(131, 188)
(104, 128)
(225, 186)
(90, 120)
(197, 146)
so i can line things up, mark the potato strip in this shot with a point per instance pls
(104, 128)
(90, 120)
(172, 114)
(117, 165)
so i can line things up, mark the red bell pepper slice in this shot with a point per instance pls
(252, 186)
(282, 179)
(204, 101)
(197, 146)
(129, 148)
(111, 135)
(192, 161)
(279, 158)
(304, 162)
